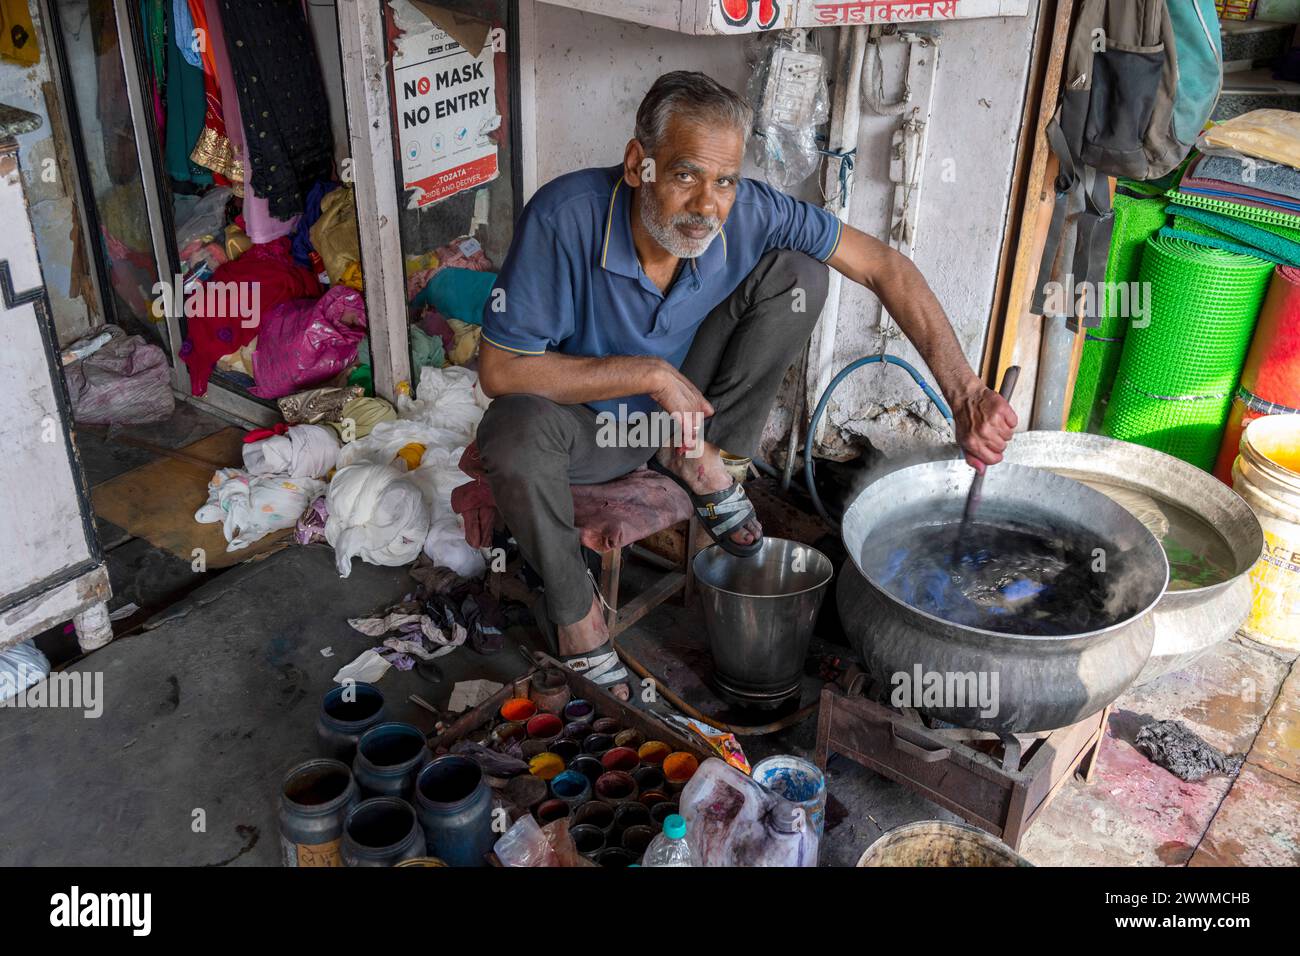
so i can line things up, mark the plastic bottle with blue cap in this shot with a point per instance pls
(670, 847)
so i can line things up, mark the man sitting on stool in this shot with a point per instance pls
(671, 285)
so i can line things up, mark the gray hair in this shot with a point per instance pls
(695, 96)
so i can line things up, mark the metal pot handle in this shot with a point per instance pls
(915, 750)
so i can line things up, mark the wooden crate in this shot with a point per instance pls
(952, 773)
(606, 704)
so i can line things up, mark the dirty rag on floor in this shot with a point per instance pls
(1169, 744)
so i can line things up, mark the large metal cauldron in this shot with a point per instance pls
(1188, 620)
(1043, 682)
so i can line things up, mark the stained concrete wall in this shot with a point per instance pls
(49, 193)
(591, 72)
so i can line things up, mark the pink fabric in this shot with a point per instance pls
(433, 323)
(304, 343)
(627, 509)
(452, 255)
(416, 282)
(260, 225)
(608, 516)
(266, 271)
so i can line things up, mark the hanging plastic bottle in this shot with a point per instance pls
(670, 847)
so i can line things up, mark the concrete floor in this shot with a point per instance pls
(206, 711)
(208, 703)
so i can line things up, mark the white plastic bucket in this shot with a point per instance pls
(798, 781)
(1267, 475)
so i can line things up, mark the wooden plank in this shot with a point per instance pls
(157, 502)
(824, 716)
(607, 705)
(668, 584)
(966, 781)
(1034, 204)
(611, 567)
(959, 782)
(55, 606)
(1076, 353)
(373, 173)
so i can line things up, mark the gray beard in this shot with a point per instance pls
(665, 232)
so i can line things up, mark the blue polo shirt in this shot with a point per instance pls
(573, 283)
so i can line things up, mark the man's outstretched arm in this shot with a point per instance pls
(985, 421)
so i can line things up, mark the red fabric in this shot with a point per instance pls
(1272, 370)
(473, 500)
(608, 516)
(261, 434)
(278, 279)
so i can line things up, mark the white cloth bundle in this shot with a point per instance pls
(250, 508)
(304, 451)
(375, 513)
(443, 418)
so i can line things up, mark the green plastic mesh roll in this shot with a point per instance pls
(1136, 220)
(1177, 375)
(1206, 236)
(1268, 243)
(1283, 223)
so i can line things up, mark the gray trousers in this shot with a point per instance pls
(533, 449)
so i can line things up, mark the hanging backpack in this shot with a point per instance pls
(1141, 79)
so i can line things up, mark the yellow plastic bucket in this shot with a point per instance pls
(1267, 475)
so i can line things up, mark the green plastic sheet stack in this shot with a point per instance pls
(1137, 219)
(1177, 375)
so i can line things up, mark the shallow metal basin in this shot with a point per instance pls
(1188, 622)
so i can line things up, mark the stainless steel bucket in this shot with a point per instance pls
(759, 614)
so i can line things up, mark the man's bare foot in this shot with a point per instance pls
(588, 635)
(706, 474)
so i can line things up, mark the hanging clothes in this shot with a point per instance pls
(259, 224)
(184, 36)
(186, 107)
(214, 149)
(153, 14)
(281, 99)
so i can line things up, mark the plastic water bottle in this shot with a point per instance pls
(670, 847)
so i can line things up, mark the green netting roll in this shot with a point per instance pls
(1284, 224)
(1269, 243)
(1177, 375)
(1217, 240)
(1136, 220)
